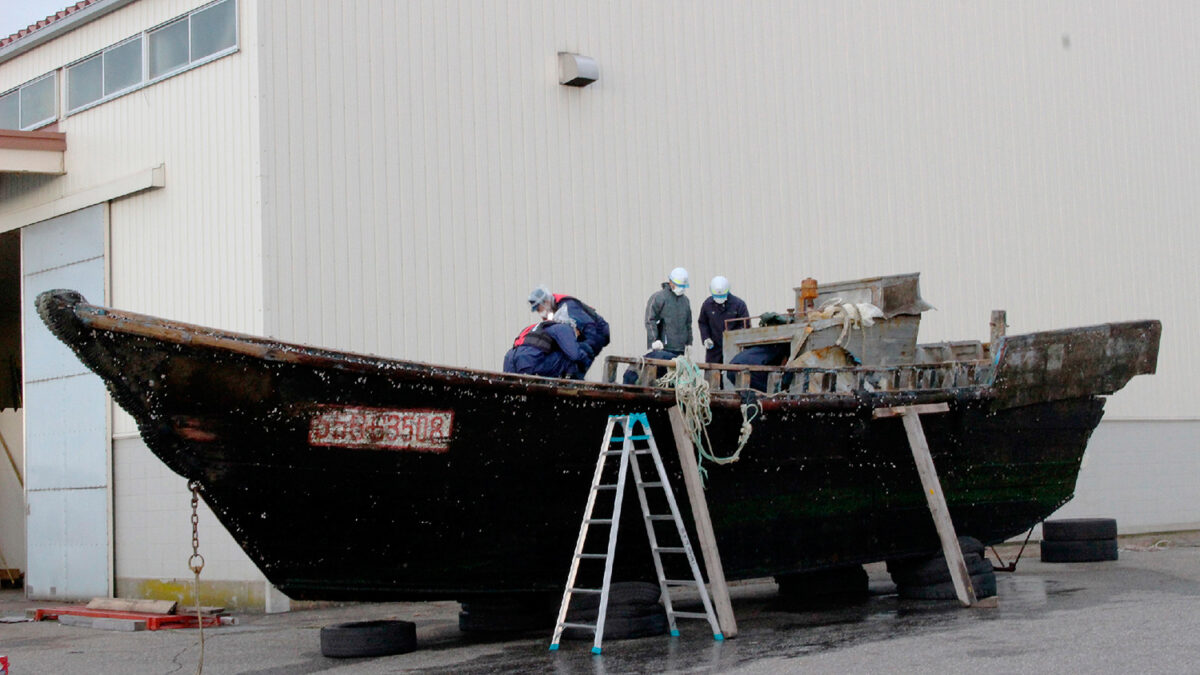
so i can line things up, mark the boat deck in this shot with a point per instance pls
(808, 380)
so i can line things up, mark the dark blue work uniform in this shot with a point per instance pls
(548, 349)
(593, 329)
(712, 319)
(761, 355)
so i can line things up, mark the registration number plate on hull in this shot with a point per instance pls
(381, 429)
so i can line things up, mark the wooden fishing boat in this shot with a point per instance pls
(346, 476)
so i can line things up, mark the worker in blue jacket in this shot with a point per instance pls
(719, 307)
(550, 349)
(593, 329)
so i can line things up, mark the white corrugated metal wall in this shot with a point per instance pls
(423, 168)
(191, 251)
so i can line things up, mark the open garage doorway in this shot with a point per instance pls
(12, 461)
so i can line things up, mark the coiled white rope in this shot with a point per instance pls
(694, 400)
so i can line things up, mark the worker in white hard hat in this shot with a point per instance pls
(717, 313)
(669, 315)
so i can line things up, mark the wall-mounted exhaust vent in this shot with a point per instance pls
(575, 70)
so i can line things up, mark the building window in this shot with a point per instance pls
(214, 29)
(10, 110)
(168, 48)
(31, 105)
(106, 74)
(122, 67)
(85, 82)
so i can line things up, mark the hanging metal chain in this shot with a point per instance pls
(196, 563)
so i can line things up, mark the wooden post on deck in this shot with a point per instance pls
(704, 531)
(997, 327)
(911, 416)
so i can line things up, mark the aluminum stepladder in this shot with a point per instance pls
(628, 453)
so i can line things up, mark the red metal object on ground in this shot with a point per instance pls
(153, 621)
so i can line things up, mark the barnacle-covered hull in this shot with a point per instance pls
(354, 477)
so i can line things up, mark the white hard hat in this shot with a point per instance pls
(719, 286)
(679, 277)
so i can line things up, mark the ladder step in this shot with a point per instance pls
(592, 556)
(657, 517)
(593, 591)
(588, 626)
(617, 439)
(612, 453)
(690, 615)
(670, 549)
(651, 484)
(679, 582)
(605, 487)
(600, 521)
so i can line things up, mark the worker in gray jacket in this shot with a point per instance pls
(669, 315)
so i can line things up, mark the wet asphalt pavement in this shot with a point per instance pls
(1140, 614)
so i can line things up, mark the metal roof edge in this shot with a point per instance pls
(59, 27)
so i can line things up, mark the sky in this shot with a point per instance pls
(18, 14)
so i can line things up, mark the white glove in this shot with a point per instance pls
(708, 343)
(657, 345)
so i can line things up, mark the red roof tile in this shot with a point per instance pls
(4, 42)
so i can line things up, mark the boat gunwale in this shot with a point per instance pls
(59, 302)
(267, 349)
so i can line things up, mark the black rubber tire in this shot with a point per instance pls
(839, 581)
(513, 603)
(476, 621)
(984, 585)
(509, 613)
(968, 545)
(1079, 529)
(1094, 550)
(620, 593)
(621, 611)
(624, 628)
(368, 638)
(935, 570)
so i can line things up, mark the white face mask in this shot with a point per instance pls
(677, 290)
(720, 299)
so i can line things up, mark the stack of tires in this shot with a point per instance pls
(633, 611)
(929, 578)
(509, 613)
(1079, 540)
(823, 588)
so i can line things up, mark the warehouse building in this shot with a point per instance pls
(394, 177)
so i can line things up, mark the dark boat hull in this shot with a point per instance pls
(495, 505)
